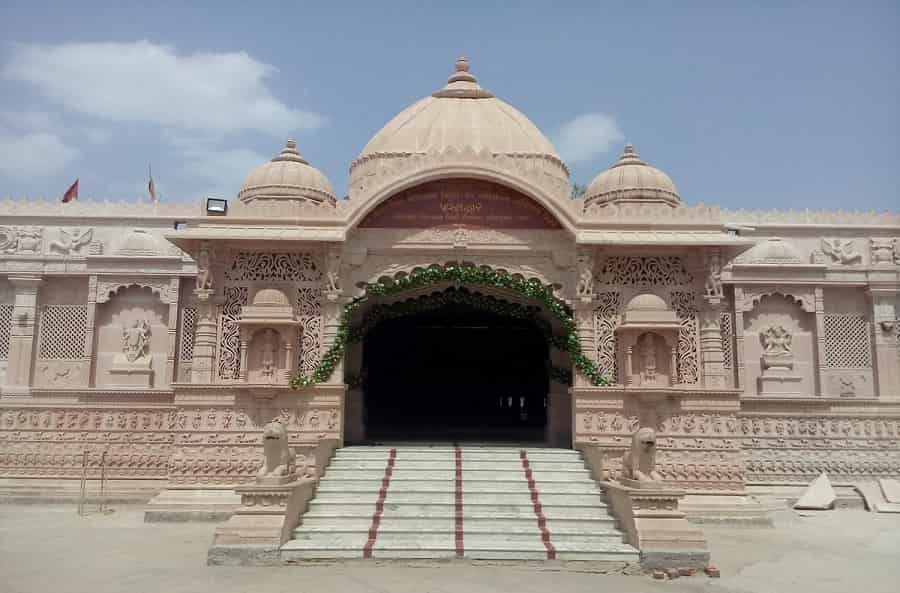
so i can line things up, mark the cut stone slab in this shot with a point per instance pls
(891, 489)
(874, 498)
(818, 496)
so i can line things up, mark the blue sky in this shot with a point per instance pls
(765, 105)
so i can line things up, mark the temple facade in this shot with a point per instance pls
(459, 293)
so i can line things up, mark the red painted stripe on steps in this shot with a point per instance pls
(460, 548)
(379, 505)
(538, 511)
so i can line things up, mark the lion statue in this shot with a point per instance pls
(279, 461)
(639, 463)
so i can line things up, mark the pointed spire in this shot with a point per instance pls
(629, 157)
(462, 84)
(290, 153)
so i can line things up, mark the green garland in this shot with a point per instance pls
(459, 274)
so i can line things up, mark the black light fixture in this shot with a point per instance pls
(216, 207)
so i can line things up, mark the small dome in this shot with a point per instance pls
(631, 180)
(287, 177)
(270, 297)
(647, 302)
(772, 251)
(139, 243)
(460, 117)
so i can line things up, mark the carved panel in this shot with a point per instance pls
(62, 333)
(684, 304)
(645, 271)
(164, 288)
(275, 267)
(229, 335)
(309, 312)
(726, 326)
(6, 311)
(188, 328)
(606, 318)
(847, 341)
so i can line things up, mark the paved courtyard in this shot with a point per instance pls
(45, 549)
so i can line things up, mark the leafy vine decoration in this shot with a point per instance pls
(457, 274)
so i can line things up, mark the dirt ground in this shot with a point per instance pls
(52, 549)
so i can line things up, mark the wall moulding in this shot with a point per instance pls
(804, 296)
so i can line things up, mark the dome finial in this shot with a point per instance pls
(462, 84)
(629, 157)
(290, 153)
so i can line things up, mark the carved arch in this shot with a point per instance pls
(753, 295)
(165, 289)
(562, 211)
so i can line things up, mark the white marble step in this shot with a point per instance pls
(437, 464)
(403, 473)
(471, 486)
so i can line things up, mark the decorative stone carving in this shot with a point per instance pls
(776, 341)
(841, 251)
(333, 275)
(647, 349)
(777, 362)
(20, 239)
(645, 271)
(107, 287)
(584, 287)
(606, 319)
(279, 461)
(204, 273)
(9, 239)
(639, 462)
(70, 243)
(802, 296)
(882, 251)
(713, 284)
(135, 340)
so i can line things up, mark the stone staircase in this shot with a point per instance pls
(420, 502)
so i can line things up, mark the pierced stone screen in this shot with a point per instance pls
(62, 332)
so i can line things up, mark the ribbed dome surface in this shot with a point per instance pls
(773, 251)
(270, 297)
(287, 177)
(631, 180)
(460, 116)
(647, 302)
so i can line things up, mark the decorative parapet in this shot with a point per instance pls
(811, 217)
(85, 208)
(644, 214)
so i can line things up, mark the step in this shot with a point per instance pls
(450, 464)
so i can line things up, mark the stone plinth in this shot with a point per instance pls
(132, 375)
(778, 377)
(652, 522)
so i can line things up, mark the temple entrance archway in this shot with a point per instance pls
(456, 366)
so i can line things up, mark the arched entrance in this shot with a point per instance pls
(456, 365)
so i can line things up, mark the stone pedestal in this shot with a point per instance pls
(648, 514)
(778, 377)
(135, 374)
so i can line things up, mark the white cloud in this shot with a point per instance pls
(33, 154)
(149, 83)
(219, 172)
(587, 136)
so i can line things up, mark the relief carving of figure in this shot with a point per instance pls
(882, 251)
(71, 243)
(267, 359)
(639, 463)
(29, 239)
(279, 460)
(135, 340)
(333, 275)
(584, 288)
(647, 349)
(204, 274)
(776, 341)
(9, 239)
(713, 286)
(841, 251)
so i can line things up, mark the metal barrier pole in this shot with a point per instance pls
(84, 460)
(103, 482)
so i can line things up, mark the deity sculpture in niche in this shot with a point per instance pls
(135, 340)
(647, 351)
(777, 361)
(267, 357)
(204, 274)
(713, 285)
(333, 274)
(584, 288)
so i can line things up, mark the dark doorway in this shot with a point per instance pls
(455, 373)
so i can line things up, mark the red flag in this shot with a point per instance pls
(151, 187)
(71, 193)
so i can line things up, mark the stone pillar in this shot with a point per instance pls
(203, 364)
(331, 313)
(558, 430)
(711, 355)
(819, 294)
(739, 338)
(884, 341)
(21, 338)
(584, 328)
(90, 324)
(172, 348)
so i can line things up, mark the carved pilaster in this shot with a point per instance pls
(172, 348)
(89, 327)
(711, 354)
(331, 313)
(584, 328)
(21, 338)
(739, 355)
(884, 329)
(819, 295)
(204, 359)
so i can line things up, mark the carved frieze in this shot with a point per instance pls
(71, 241)
(841, 251)
(107, 287)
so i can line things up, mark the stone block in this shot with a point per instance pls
(819, 495)
(891, 489)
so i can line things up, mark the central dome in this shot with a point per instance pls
(460, 118)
